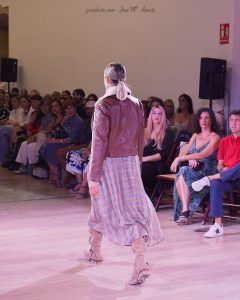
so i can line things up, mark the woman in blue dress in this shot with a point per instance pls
(199, 159)
(74, 127)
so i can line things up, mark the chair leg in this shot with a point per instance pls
(154, 192)
(158, 201)
(207, 210)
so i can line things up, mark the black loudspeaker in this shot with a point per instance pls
(9, 69)
(212, 78)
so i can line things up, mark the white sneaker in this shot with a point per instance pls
(200, 184)
(21, 170)
(214, 230)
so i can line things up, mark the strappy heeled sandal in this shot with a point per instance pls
(93, 256)
(141, 271)
(76, 189)
(183, 218)
(82, 194)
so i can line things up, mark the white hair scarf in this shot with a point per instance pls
(121, 91)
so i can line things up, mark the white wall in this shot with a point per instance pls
(60, 46)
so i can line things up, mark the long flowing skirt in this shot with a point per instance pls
(122, 211)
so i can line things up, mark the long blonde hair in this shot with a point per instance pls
(160, 130)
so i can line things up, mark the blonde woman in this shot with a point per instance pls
(158, 144)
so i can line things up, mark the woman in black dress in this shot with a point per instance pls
(158, 145)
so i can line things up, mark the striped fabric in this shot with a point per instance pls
(123, 212)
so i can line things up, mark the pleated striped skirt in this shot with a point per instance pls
(122, 211)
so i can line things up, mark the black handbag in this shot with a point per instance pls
(197, 168)
(59, 132)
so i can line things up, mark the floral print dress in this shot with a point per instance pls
(209, 168)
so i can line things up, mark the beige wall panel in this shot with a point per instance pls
(62, 46)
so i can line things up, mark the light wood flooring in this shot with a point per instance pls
(43, 233)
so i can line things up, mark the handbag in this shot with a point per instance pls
(58, 132)
(197, 168)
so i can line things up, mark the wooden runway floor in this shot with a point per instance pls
(43, 233)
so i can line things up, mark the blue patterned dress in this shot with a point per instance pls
(209, 168)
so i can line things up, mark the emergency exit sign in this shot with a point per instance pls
(224, 33)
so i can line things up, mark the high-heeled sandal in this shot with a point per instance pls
(76, 189)
(82, 194)
(55, 180)
(183, 218)
(141, 271)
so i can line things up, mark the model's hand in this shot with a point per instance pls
(94, 188)
(192, 163)
(174, 165)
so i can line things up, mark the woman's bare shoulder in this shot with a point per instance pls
(215, 136)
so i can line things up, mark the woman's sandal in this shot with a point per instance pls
(140, 273)
(183, 218)
(76, 189)
(82, 192)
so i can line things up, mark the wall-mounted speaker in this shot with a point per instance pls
(212, 78)
(9, 67)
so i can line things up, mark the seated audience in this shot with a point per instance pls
(221, 121)
(146, 110)
(72, 127)
(228, 177)
(79, 97)
(154, 101)
(4, 111)
(7, 98)
(27, 130)
(199, 157)
(92, 97)
(24, 93)
(185, 117)
(16, 119)
(28, 152)
(15, 92)
(34, 93)
(66, 95)
(56, 95)
(158, 143)
(2, 92)
(170, 111)
(83, 141)
(77, 164)
(25, 103)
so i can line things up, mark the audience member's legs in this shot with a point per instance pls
(4, 142)
(22, 154)
(54, 176)
(82, 192)
(183, 192)
(217, 188)
(32, 153)
(231, 174)
(227, 175)
(61, 156)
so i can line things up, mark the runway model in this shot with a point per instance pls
(121, 211)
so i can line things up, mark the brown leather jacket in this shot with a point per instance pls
(118, 131)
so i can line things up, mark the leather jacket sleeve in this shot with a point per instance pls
(99, 141)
